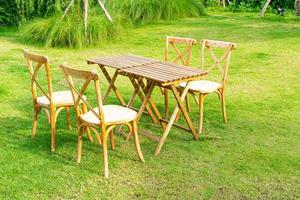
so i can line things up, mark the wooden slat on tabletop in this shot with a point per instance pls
(171, 70)
(122, 61)
(164, 72)
(154, 74)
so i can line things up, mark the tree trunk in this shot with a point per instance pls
(85, 16)
(224, 3)
(105, 11)
(297, 7)
(262, 14)
(67, 9)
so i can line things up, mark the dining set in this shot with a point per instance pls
(171, 76)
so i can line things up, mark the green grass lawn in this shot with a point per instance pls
(256, 155)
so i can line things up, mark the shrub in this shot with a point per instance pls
(251, 5)
(69, 31)
(54, 31)
(147, 10)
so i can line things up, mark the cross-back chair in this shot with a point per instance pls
(104, 117)
(51, 102)
(182, 47)
(205, 87)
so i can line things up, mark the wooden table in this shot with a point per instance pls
(145, 74)
(118, 62)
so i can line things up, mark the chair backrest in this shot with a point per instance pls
(210, 45)
(78, 95)
(182, 56)
(35, 63)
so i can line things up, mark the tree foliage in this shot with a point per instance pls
(8, 12)
(18, 11)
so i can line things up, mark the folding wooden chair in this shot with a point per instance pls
(105, 117)
(181, 57)
(205, 87)
(52, 102)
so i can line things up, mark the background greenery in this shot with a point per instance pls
(251, 5)
(149, 10)
(17, 11)
(56, 31)
(256, 155)
(42, 23)
(53, 30)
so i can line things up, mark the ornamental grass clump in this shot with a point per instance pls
(149, 10)
(69, 31)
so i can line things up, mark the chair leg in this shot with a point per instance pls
(98, 138)
(201, 104)
(179, 112)
(187, 102)
(137, 142)
(53, 128)
(166, 95)
(112, 140)
(177, 116)
(34, 124)
(223, 106)
(105, 156)
(79, 145)
(68, 118)
(129, 135)
(88, 132)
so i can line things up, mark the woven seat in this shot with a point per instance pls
(113, 114)
(203, 86)
(60, 98)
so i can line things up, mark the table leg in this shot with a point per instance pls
(140, 90)
(112, 85)
(184, 111)
(128, 106)
(152, 104)
(180, 105)
(137, 91)
(149, 89)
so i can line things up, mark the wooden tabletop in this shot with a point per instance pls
(122, 61)
(164, 73)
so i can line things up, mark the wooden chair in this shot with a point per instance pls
(52, 102)
(105, 117)
(181, 57)
(205, 87)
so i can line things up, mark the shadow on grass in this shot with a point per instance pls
(18, 139)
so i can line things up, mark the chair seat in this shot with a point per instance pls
(60, 98)
(203, 86)
(113, 114)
